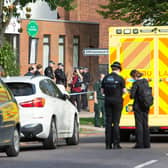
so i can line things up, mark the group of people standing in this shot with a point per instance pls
(78, 84)
(57, 74)
(112, 88)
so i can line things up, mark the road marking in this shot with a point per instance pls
(146, 164)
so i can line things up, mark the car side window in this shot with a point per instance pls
(44, 87)
(4, 96)
(53, 88)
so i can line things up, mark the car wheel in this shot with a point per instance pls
(14, 148)
(52, 140)
(74, 140)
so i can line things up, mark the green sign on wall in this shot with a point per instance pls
(32, 28)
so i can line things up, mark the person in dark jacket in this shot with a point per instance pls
(49, 70)
(60, 75)
(140, 111)
(30, 71)
(39, 69)
(113, 87)
(85, 85)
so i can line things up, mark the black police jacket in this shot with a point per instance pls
(49, 72)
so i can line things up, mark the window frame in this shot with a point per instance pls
(36, 51)
(76, 64)
(61, 44)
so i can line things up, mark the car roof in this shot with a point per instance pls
(24, 79)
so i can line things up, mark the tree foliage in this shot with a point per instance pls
(8, 60)
(6, 12)
(53, 4)
(147, 12)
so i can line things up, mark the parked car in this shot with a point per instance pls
(9, 122)
(46, 113)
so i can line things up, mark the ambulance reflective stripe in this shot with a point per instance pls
(163, 75)
(112, 56)
(136, 53)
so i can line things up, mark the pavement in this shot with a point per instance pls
(90, 130)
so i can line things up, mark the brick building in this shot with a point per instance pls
(60, 41)
(86, 11)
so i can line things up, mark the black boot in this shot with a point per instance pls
(117, 146)
(108, 146)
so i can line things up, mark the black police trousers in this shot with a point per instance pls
(113, 115)
(142, 129)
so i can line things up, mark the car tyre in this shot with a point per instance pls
(14, 148)
(74, 140)
(52, 140)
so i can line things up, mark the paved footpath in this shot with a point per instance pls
(89, 130)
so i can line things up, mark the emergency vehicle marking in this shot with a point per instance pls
(163, 73)
(131, 47)
(112, 55)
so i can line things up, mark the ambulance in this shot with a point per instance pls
(144, 49)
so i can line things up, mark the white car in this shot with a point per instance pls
(46, 113)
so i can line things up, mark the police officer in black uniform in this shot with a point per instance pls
(60, 75)
(49, 70)
(113, 86)
(140, 111)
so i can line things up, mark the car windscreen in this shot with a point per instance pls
(21, 89)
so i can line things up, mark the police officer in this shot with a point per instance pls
(99, 102)
(60, 75)
(49, 70)
(140, 111)
(113, 86)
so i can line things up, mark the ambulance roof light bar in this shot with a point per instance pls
(146, 30)
(142, 30)
(163, 30)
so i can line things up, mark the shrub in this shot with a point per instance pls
(8, 60)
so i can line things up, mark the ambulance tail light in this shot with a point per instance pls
(37, 102)
(127, 127)
(164, 128)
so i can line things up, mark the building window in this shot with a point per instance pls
(75, 51)
(46, 50)
(33, 44)
(61, 49)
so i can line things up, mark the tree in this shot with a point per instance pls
(8, 60)
(146, 12)
(6, 12)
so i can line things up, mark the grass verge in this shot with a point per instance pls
(87, 121)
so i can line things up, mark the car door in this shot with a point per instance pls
(64, 121)
(8, 114)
